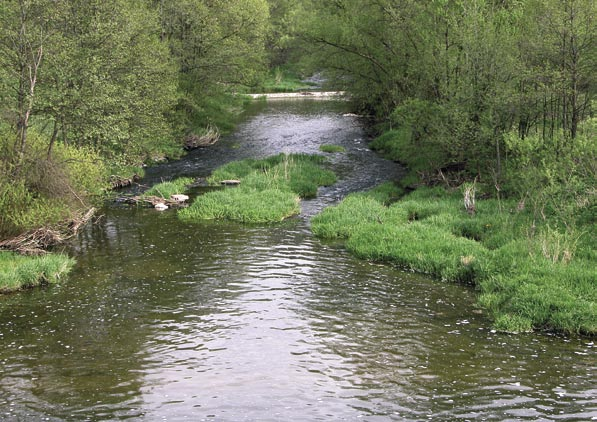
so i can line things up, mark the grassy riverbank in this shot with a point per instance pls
(284, 79)
(18, 272)
(530, 276)
(269, 189)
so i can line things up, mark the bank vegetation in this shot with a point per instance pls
(494, 103)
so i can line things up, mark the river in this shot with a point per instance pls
(217, 321)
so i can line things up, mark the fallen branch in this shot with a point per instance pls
(210, 137)
(153, 200)
(117, 182)
(37, 241)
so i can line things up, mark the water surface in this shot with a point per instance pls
(219, 321)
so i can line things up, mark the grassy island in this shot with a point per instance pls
(529, 275)
(268, 190)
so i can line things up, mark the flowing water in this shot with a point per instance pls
(164, 321)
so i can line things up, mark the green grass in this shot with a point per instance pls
(332, 148)
(529, 277)
(18, 272)
(284, 79)
(243, 205)
(166, 189)
(270, 189)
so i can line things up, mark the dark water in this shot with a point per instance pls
(163, 321)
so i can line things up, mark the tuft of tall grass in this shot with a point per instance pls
(18, 272)
(166, 189)
(343, 220)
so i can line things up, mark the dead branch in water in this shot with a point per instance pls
(151, 201)
(210, 137)
(117, 182)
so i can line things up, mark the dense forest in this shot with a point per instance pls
(496, 97)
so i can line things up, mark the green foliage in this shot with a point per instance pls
(332, 148)
(269, 190)
(530, 277)
(556, 176)
(167, 189)
(449, 79)
(219, 47)
(48, 191)
(123, 171)
(18, 272)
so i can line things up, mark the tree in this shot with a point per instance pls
(560, 55)
(21, 54)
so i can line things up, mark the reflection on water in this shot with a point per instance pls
(217, 321)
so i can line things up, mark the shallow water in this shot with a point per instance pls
(218, 321)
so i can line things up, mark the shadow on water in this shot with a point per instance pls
(162, 320)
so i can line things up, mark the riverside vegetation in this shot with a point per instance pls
(529, 275)
(497, 101)
(93, 91)
(18, 272)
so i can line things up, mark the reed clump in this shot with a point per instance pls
(530, 275)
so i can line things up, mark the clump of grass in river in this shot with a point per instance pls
(529, 277)
(166, 189)
(245, 205)
(270, 189)
(332, 148)
(18, 272)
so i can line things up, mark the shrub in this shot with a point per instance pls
(47, 190)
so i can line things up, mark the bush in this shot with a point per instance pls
(47, 190)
